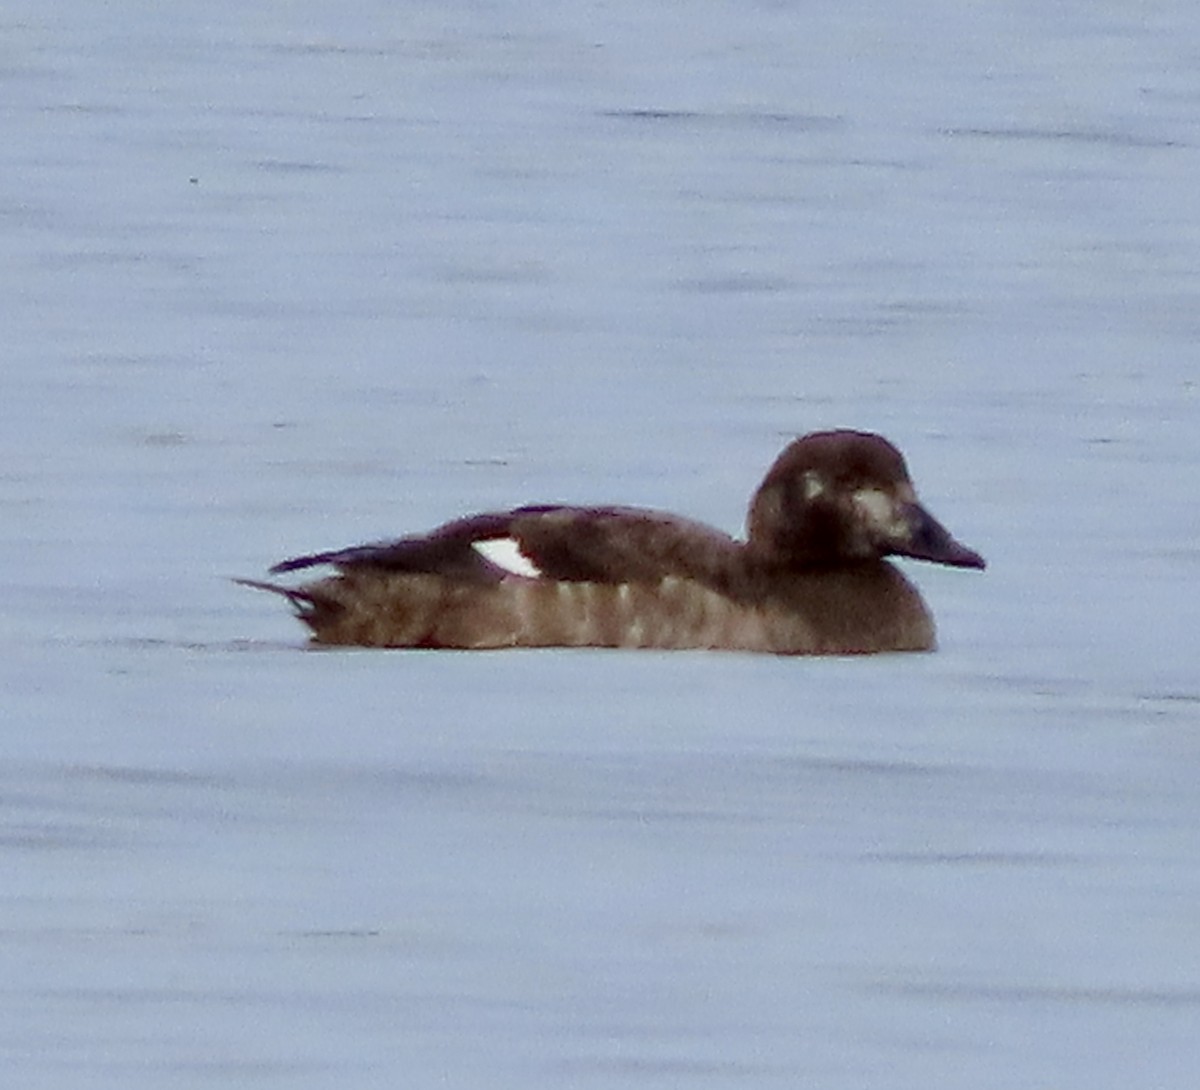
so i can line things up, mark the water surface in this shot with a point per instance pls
(281, 278)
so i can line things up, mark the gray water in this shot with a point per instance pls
(282, 277)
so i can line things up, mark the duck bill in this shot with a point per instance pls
(928, 539)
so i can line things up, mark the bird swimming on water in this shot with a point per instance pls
(811, 578)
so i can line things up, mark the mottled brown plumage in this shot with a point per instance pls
(811, 578)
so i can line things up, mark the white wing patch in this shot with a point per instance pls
(505, 553)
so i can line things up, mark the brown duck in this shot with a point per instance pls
(811, 578)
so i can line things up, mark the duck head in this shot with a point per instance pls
(838, 497)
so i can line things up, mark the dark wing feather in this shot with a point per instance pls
(621, 545)
(446, 551)
(575, 544)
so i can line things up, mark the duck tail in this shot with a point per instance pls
(303, 602)
(313, 605)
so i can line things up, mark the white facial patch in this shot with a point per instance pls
(505, 553)
(879, 509)
(814, 485)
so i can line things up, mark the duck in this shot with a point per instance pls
(812, 577)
